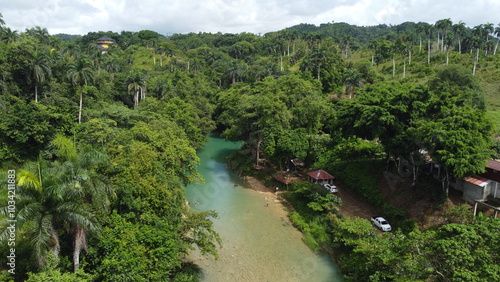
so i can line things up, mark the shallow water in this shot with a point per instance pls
(259, 242)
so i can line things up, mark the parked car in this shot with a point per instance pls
(381, 223)
(331, 188)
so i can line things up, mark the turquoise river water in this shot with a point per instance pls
(259, 242)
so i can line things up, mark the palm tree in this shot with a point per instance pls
(98, 57)
(421, 30)
(488, 29)
(39, 33)
(77, 173)
(235, 69)
(460, 31)
(475, 44)
(71, 49)
(8, 35)
(2, 22)
(80, 74)
(318, 56)
(137, 84)
(45, 206)
(429, 30)
(443, 26)
(497, 34)
(352, 77)
(112, 66)
(344, 43)
(39, 69)
(448, 43)
(373, 46)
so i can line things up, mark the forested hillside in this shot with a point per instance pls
(101, 143)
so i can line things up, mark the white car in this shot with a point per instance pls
(331, 188)
(381, 223)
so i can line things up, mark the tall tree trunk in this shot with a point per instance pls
(414, 166)
(475, 62)
(438, 42)
(257, 153)
(445, 182)
(429, 51)
(409, 57)
(404, 68)
(80, 243)
(81, 106)
(36, 93)
(496, 46)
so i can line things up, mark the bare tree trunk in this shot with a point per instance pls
(404, 69)
(438, 41)
(257, 153)
(475, 62)
(36, 93)
(81, 106)
(80, 243)
(429, 51)
(446, 183)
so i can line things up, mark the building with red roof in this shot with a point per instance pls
(320, 177)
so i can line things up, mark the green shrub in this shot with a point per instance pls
(310, 242)
(298, 221)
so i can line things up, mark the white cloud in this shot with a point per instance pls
(234, 16)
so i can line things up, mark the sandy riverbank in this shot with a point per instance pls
(269, 193)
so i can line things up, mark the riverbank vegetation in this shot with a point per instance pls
(102, 143)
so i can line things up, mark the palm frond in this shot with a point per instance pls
(64, 147)
(29, 180)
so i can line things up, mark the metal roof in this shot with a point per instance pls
(105, 38)
(320, 174)
(477, 180)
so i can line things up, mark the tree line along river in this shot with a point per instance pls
(259, 241)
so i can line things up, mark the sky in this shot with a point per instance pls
(234, 16)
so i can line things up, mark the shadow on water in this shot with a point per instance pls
(222, 157)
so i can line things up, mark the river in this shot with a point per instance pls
(259, 242)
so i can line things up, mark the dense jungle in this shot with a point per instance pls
(102, 141)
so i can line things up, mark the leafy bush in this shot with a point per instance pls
(298, 221)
